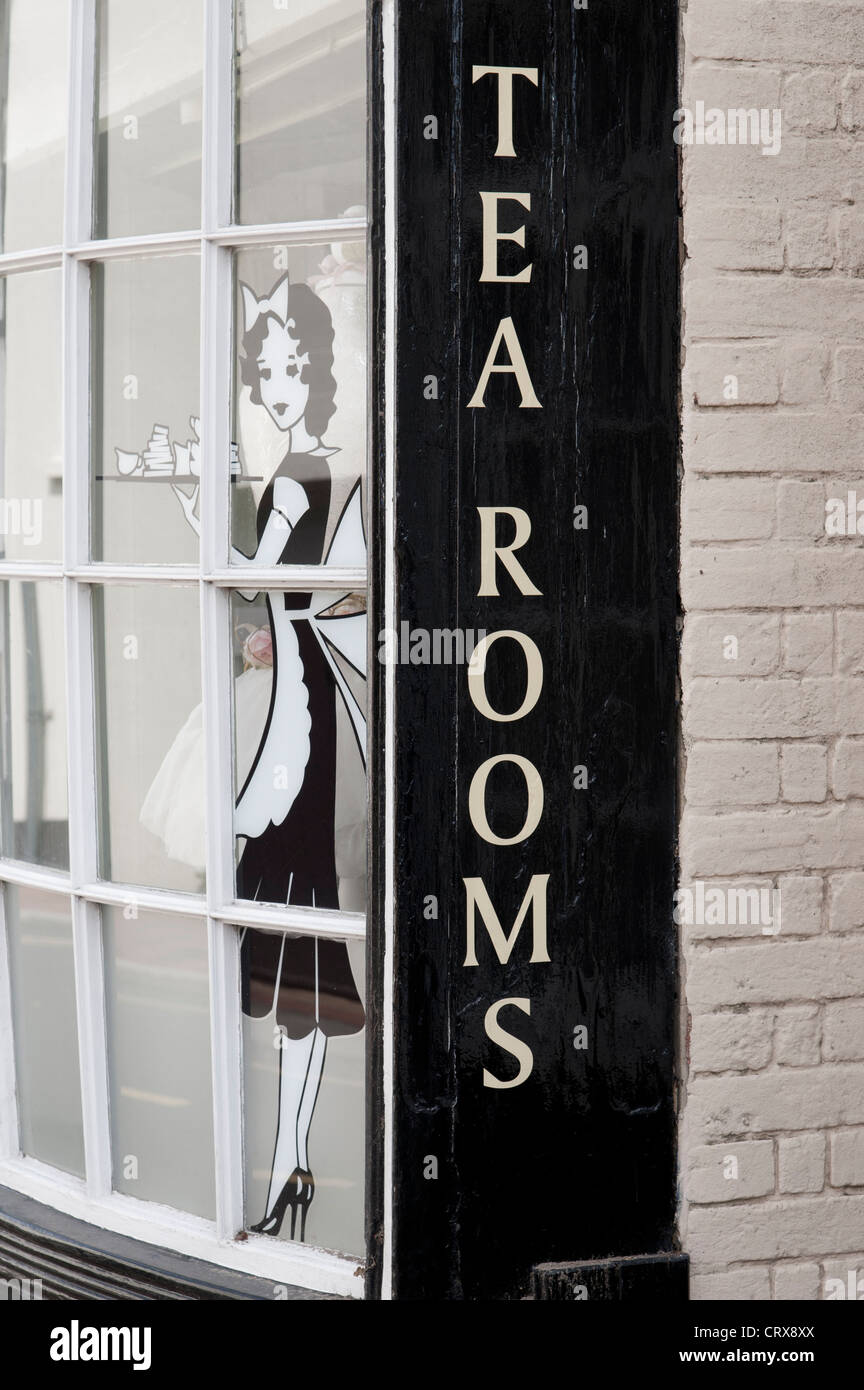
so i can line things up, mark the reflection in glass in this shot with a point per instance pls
(35, 817)
(158, 1020)
(149, 740)
(301, 108)
(34, 48)
(145, 408)
(45, 1028)
(31, 468)
(148, 153)
(311, 1144)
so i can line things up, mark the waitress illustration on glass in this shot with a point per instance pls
(286, 808)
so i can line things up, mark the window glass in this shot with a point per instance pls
(158, 1012)
(34, 801)
(34, 60)
(48, 1082)
(149, 100)
(150, 735)
(31, 466)
(301, 108)
(303, 1048)
(146, 374)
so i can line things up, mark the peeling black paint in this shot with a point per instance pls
(578, 1163)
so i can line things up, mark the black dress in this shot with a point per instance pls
(296, 861)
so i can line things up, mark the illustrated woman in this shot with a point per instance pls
(286, 808)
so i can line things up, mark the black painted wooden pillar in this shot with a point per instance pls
(575, 1163)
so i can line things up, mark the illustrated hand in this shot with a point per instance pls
(188, 501)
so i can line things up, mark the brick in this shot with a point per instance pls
(809, 239)
(804, 771)
(850, 242)
(746, 1283)
(730, 374)
(789, 838)
(726, 774)
(801, 1163)
(847, 1158)
(846, 902)
(798, 1036)
(810, 101)
(808, 644)
(848, 770)
(800, 904)
(763, 576)
(775, 306)
(849, 378)
(800, 510)
(852, 97)
(818, 706)
(744, 236)
(730, 1172)
(721, 441)
(823, 1097)
(732, 509)
(843, 1031)
(743, 644)
(805, 373)
(777, 971)
(731, 1041)
(728, 908)
(810, 170)
(796, 1283)
(789, 1227)
(850, 641)
(775, 31)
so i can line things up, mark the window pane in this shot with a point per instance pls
(301, 108)
(145, 408)
(30, 436)
(300, 818)
(39, 931)
(149, 736)
(157, 994)
(300, 401)
(148, 154)
(33, 699)
(303, 1046)
(34, 53)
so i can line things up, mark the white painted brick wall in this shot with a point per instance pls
(772, 1152)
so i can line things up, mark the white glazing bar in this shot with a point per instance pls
(9, 1144)
(217, 673)
(144, 899)
(86, 928)
(388, 540)
(12, 569)
(13, 261)
(299, 577)
(159, 243)
(340, 926)
(100, 573)
(292, 233)
(32, 876)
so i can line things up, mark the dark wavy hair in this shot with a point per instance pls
(309, 321)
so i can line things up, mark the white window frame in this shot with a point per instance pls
(93, 1200)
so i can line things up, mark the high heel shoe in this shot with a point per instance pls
(297, 1193)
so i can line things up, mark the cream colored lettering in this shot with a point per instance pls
(477, 799)
(477, 898)
(518, 1049)
(492, 234)
(489, 551)
(477, 675)
(505, 77)
(507, 334)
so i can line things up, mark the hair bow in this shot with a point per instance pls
(276, 303)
